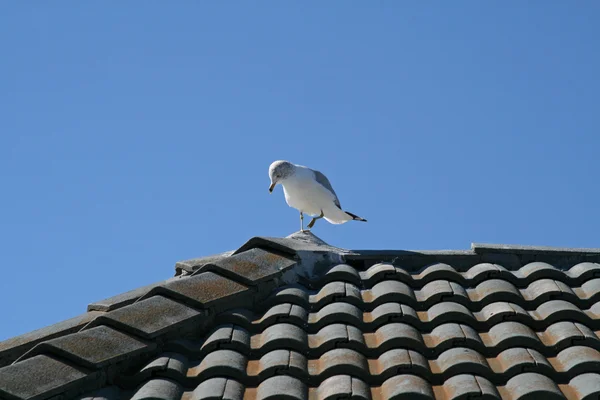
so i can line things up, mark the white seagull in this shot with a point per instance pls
(309, 192)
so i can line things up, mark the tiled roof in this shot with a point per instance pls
(295, 318)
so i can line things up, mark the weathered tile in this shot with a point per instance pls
(95, 347)
(158, 389)
(281, 336)
(467, 386)
(250, 267)
(218, 388)
(338, 312)
(123, 299)
(153, 316)
(228, 363)
(584, 387)
(15, 347)
(342, 387)
(406, 387)
(339, 362)
(531, 386)
(40, 377)
(272, 388)
(208, 290)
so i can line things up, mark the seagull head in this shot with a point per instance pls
(279, 171)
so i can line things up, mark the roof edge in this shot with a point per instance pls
(481, 248)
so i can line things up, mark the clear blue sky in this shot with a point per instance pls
(137, 135)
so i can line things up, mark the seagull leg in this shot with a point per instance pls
(312, 223)
(301, 222)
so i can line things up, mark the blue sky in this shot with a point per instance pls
(135, 136)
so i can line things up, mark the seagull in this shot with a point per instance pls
(309, 192)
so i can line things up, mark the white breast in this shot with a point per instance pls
(305, 194)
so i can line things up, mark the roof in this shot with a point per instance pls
(295, 318)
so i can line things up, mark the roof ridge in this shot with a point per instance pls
(481, 248)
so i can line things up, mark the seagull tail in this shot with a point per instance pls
(355, 217)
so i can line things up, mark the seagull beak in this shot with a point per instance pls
(271, 188)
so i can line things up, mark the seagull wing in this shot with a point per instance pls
(322, 179)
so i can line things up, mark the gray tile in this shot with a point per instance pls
(173, 364)
(547, 289)
(586, 386)
(107, 393)
(388, 291)
(438, 271)
(512, 361)
(578, 359)
(14, 348)
(207, 290)
(335, 335)
(278, 386)
(218, 389)
(449, 335)
(441, 290)
(449, 312)
(405, 361)
(339, 362)
(123, 299)
(495, 313)
(95, 348)
(341, 272)
(555, 310)
(158, 389)
(282, 336)
(529, 385)
(251, 267)
(189, 266)
(343, 387)
(406, 387)
(328, 293)
(387, 313)
(153, 316)
(461, 359)
(484, 271)
(539, 270)
(284, 313)
(278, 362)
(229, 337)
(40, 377)
(565, 333)
(466, 386)
(591, 289)
(338, 312)
(513, 334)
(395, 335)
(584, 271)
(378, 272)
(496, 290)
(222, 363)
(294, 295)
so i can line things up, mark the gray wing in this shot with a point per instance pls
(322, 179)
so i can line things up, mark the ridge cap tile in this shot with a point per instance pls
(92, 348)
(205, 290)
(192, 264)
(250, 267)
(13, 348)
(41, 377)
(150, 317)
(122, 299)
